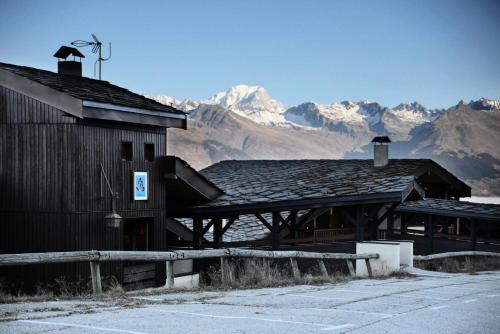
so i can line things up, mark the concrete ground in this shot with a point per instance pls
(426, 304)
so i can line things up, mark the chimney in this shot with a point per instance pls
(69, 67)
(381, 151)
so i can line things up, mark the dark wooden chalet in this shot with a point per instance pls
(69, 147)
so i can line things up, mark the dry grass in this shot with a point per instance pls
(61, 288)
(464, 264)
(259, 273)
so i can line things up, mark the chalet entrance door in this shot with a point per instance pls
(138, 235)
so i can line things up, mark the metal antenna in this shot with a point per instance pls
(96, 48)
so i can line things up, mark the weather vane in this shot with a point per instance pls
(96, 48)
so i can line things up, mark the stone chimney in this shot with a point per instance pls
(69, 67)
(381, 151)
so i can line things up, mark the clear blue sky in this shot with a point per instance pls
(436, 52)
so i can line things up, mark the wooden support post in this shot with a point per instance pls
(430, 233)
(473, 234)
(276, 231)
(293, 225)
(295, 268)
(369, 267)
(322, 268)
(360, 226)
(217, 232)
(95, 272)
(197, 231)
(404, 221)
(390, 225)
(350, 267)
(170, 274)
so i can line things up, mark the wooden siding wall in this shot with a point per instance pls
(51, 198)
(19, 108)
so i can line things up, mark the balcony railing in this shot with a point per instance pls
(333, 234)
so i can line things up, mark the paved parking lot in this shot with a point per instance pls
(448, 304)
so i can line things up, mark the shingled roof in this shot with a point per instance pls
(268, 182)
(89, 89)
(452, 208)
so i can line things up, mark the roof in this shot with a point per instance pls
(265, 183)
(452, 208)
(185, 184)
(65, 51)
(88, 89)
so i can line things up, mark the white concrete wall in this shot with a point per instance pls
(387, 263)
(405, 251)
(187, 282)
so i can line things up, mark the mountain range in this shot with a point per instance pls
(244, 122)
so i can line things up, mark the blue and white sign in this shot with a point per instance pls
(140, 186)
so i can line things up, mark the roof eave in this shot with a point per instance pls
(118, 113)
(449, 213)
(240, 209)
(42, 93)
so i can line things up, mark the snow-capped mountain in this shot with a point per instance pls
(485, 104)
(244, 122)
(353, 118)
(186, 105)
(252, 102)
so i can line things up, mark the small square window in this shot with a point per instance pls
(127, 151)
(149, 152)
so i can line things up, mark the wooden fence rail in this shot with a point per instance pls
(95, 257)
(452, 254)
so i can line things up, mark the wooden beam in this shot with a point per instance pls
(350, 218)
(276, 231)
(286, 222)
(387, 213)
(264, 221)
(430, 232)
(197, 230)
(292, 225)
(228, 225)
(207, 227)
(360, 225)
(390, 225)
(310, 215)
(217, 231)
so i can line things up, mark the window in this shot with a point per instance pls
(127, 151)
(149, 152)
